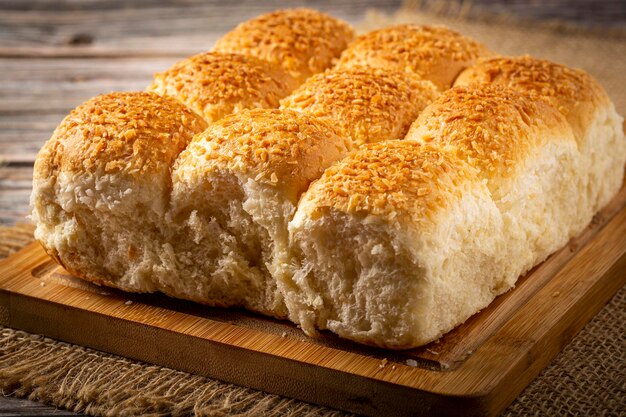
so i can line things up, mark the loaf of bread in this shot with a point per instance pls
(384, 189)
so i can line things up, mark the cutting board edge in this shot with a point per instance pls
(325, 386)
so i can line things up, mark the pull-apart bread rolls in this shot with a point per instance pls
(434, 53)
(203, 189)
(235, 189)
(393, 246)
(102, 183)
(585, 105)
(215, 85)
(302, 41)
(366, 104)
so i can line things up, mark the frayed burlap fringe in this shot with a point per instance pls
(92, 382)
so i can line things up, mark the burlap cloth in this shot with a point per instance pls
(588, 378)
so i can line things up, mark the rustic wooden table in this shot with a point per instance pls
(56, 54)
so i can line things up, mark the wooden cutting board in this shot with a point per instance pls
(477, 369)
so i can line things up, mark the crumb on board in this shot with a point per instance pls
(42, 284)
(556, 293)
(411, 362)
(129, 302)
(284, 334)
(383, 363)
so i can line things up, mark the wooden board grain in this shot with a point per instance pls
(477, 369)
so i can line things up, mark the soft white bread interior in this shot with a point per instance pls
(302, 41)
(217, 84)
(365, 104)
(586, 106)
(526, 152)
(434, 53)
(393, 246)
(235, 189)
(102, 183)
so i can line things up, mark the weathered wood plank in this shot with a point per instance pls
(14, 205)
(48, 98)
(22, 152)
(16, 176)
(22, 134)
(13, 407)
(15, 186)
(164, 27)
(35, 94)
(33, 70)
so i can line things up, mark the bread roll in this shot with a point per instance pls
(393, 246)
(215, 85)
(102, 183)
(302, 41)
(434, 53)
(585, 105)
(527, 153)
(366, 104)
(235, 189)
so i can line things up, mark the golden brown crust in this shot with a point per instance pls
(283, 148)
(215, 84)
(391, 179)
(366, 104)
(493, 127)
(434, 53)
(131, 132)
(574, 92)
(302, 41)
